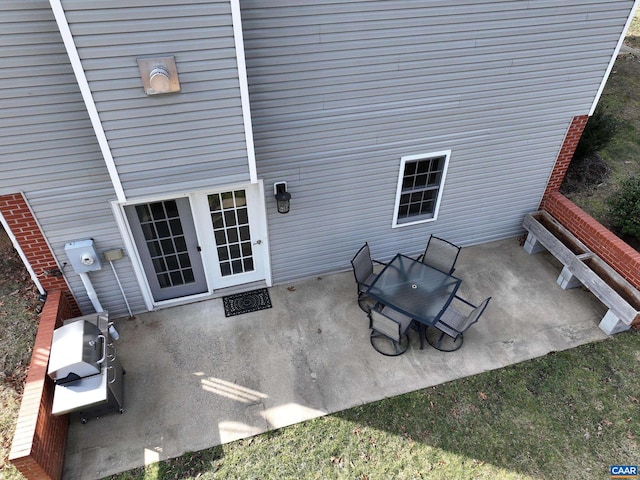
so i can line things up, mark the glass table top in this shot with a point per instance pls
(414, 289)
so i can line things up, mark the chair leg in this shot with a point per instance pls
(450, 344)
(384, 345)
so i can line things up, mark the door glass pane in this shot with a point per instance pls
(163, 234)
(230, 221)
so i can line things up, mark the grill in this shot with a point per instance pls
(84, 366)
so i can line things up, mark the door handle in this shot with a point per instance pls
(259, 242)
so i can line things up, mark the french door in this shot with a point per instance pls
(197, 244)
(167, 244)
(232, 229)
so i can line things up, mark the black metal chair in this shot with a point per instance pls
(363, 271)
(447, 334)
(389, 330)
(440, 254)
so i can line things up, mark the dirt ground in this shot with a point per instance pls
(19, 309)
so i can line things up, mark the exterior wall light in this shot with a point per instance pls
(282, 196)
(159, 75)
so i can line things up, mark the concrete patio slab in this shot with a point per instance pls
(196, 379)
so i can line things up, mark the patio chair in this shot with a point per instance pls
(440, 254)
(389, 330)
(363, 271)
(448, 332)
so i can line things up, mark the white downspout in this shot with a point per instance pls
(91, 292)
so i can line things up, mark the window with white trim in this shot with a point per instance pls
(420, 185)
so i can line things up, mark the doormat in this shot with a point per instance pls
(246, 302)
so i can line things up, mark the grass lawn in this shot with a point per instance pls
(621, 99)
(567, 415)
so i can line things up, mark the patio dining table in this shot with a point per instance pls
(414, 289)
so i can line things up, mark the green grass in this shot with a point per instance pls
(567, 415)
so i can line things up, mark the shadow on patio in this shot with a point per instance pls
(196, 379)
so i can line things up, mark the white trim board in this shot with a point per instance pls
(81, 78)
(244, 88)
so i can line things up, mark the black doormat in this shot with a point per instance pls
(246, 302)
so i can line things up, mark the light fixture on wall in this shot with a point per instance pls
(282, 196)
(159, 75)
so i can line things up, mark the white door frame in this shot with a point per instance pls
(259, 229)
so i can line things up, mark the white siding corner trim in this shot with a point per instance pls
(446, 154)
(613, 57)
(78, 70)
(236, 18)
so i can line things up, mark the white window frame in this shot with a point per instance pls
(423, 156)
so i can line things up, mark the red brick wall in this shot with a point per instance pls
(624, 259)
(39, 441)
(25, 229)
(571, 140)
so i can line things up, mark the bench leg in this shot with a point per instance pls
(567, 279)
(611, 324)
(532, 245)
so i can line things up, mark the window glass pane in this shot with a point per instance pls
(176, 227)
(164, 281)
(159, 265)
(221, 239)
(423, 166)
(176, 278)
(188, 276)
(157, 210)
(223, 253)
(244, 233)
(172, 209)
(148, 231)
(241, 199)
(410, 168)
(234, 250)
(185, 261)
(216, 220)
(232, 235)
(227, 200)
(421, 181)
(172, 262)
(230, 218)
(180, 243)
(236, 265)
(246, 249)
(248, 264)
(163, 229)
(154, 249)
(243, 217)
(225, 268)
(214, 203)
(167, 247)
(143, 213)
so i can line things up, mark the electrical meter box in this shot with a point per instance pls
(83, 256)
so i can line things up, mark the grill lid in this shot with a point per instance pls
(77, 350)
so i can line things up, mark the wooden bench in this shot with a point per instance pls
(583, 267)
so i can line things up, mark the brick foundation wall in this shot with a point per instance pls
(39, 442)
(621, 257)
(565, 155)
(25, 229)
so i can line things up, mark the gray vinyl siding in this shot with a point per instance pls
(340, 91)
(48, 149)
(177, 142)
